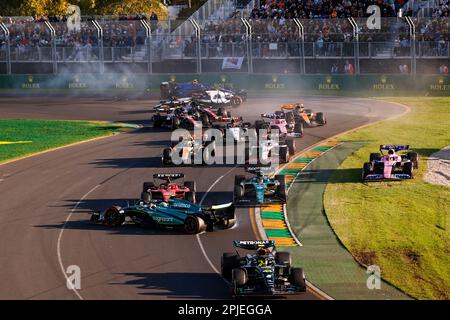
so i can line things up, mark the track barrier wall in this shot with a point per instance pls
(356, 85)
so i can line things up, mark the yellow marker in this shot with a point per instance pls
(14, 142)
(274, 224)
(273, 207)
(296, 165)
(284, 242)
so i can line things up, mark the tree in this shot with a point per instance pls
(43, 7)
(136, 7)
(88, 7)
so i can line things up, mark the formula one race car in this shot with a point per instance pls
(175, 213)
(168, 188)
(178, 115)
(202, 94)
(285, 123)
(259, 189)
(264, 273)
(391, 166)
(306, 116)
(262, 148)
(189, 150)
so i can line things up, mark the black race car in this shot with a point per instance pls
(203, 94)
(264, 273)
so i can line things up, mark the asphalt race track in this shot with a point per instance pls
(45, 200)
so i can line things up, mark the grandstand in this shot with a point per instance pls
(272, 36)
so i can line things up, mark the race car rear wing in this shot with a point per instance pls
(253, 244)
(393, 146)
(290, 106)
(168, 176)
(265, 170)
(222, 210)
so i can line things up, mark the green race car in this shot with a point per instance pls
(175, 213)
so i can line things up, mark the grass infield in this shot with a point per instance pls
(400, 226)
(20, 137)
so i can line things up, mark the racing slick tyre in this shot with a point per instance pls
(113, 217)
(284, 154)
(297, 278)
(147, 185)
(320, 118)
(291, 146)
(367, 168)
(235, 101)
(189, 196)
(238, 192)
(205, 120)
(223, 112)
(283, 258)
(375, 157)
(408, 168)
(260, 124)
(194, 225)
(281, 188)
(228, 223)
(176, 122)
(146, 197)
(229, 262)
(298, 128)
(289, 116)
(238, 277)
(157, 122)
(414, 157)
(191, 185)
(166, 158)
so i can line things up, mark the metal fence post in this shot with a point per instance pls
(8, 48)
(412, 36)
(53, 46)
(100, 41)
(301, 33)
(356, 43)
(199, 45)
(148, 42)
(248, 30)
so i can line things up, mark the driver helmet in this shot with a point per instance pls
(164, 204)
(261, 252)
(195, 81)
(391, 152)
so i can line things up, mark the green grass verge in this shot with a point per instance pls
(400, 226)
(46, 134)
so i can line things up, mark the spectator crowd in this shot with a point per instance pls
(327, 33)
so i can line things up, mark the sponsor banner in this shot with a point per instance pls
(232, 63)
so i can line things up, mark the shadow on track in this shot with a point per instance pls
(352, 175)
(177, 285)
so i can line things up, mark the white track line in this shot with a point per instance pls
(58, 245)
(202, 249)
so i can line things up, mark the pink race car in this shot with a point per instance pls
(285, 123)
(391, 166)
